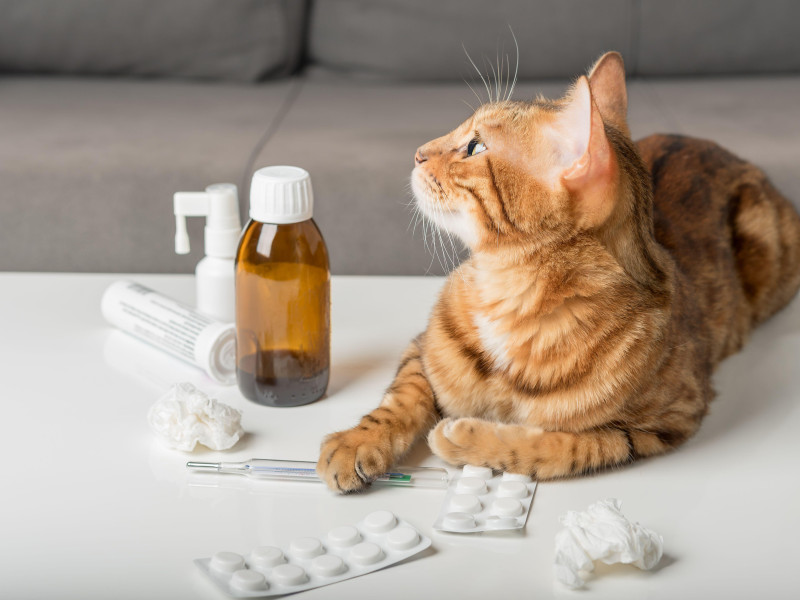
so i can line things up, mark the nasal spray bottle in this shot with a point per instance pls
(282, 294)
(215, 273)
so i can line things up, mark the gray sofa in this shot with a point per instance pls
(107, 108)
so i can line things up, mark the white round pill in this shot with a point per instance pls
(475, 471)
(507, 507)
(344, 536)
(226, 562)
(465, 503)
(266, 556)
(380, 521)
(459, 521)
(402, 538)
(248, 581)
(288, 575)
(516, 477)
(512, 489)
(366, 553)
(306, 547)
(471, 485)
(495, 522)
(327, 565)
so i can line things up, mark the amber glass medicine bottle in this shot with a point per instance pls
(282, 293)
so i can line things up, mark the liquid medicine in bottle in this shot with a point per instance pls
(282, 293)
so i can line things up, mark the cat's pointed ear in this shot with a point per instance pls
(588, 166)
(607, 82)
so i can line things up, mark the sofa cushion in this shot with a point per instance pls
(88, 166)
(422, 39)
(686, 37)
(242, 40)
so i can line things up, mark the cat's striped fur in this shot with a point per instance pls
(607, 279)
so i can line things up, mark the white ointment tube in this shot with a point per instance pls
(173, 327)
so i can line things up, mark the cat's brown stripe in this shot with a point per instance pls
(475, 192)
(498, 197)
(468, 348)
(606, 282)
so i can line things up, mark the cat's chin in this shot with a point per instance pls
(452, 222)
(457, 224)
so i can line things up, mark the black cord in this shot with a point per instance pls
(272, 128)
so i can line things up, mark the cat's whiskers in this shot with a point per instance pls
(508, 78)
(486, 85)
(454, 250)
(430, 249)
(503, 63)
(433, 217)
(411, 205)
(437, 233)
(516, 68)
(492, 79)
(414, 221)
(419, 217)
(439, 210)
(498, 75)
(480, 102)
(498, 81)
(450, 260)
(427, 224)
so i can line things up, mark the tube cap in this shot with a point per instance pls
(215, 352)
(281, 195)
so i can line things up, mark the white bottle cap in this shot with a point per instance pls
(281, 195)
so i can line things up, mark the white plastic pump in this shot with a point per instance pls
(215, 273)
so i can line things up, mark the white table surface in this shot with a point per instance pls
(93, 506)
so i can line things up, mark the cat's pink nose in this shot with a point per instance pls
(419, 158)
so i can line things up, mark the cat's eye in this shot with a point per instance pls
(475, 146)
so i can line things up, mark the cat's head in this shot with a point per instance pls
(518, 172)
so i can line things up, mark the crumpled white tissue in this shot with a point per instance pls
(185, 416)
(602, 533)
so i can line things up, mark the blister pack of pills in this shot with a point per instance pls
(376, 542)
(477, 500)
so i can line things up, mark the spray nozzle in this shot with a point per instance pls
(220, 205)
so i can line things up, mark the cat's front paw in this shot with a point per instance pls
(349, 460)
(459, 441)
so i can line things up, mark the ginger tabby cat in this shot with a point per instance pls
(606, 281)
